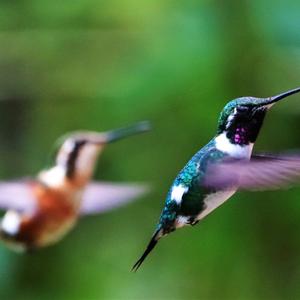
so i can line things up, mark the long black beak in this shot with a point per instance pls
(274, 99)
(117, 134)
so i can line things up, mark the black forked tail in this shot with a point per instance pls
(149, 248)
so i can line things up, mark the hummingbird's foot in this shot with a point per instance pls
(192, 221)
(195, 223)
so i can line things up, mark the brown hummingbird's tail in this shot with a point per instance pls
(156, 236)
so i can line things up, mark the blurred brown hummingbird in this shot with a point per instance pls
(43, 210)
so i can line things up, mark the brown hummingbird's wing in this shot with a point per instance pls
(100, 197)
(17, 196)
(262, 172)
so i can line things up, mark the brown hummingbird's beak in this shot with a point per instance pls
(274, 99)
(117, 134)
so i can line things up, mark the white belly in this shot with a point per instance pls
(213, 201)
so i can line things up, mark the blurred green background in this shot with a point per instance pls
(85, 64)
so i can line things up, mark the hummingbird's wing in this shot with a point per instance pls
(262, 172)
(97, 198)
(17, 196)
(100, 197)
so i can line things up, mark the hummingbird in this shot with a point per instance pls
(42, 210)
(223, 166)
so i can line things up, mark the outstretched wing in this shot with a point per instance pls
(17, 196)
(102, 197)
(97, 198)
(262, 172)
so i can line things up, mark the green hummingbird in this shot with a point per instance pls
(223, 166)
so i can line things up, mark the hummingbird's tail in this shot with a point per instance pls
(156, 236)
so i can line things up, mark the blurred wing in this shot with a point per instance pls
(17, 196)
(260, 173)
(102, 197)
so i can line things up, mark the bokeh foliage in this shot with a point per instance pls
(102, 64)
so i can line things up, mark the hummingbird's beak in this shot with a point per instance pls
(117, 134)
(271, 100)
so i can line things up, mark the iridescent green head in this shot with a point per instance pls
(242, 118)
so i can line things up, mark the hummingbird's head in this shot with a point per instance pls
(78, 152)
(242, 118)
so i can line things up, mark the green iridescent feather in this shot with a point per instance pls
(191, 176)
